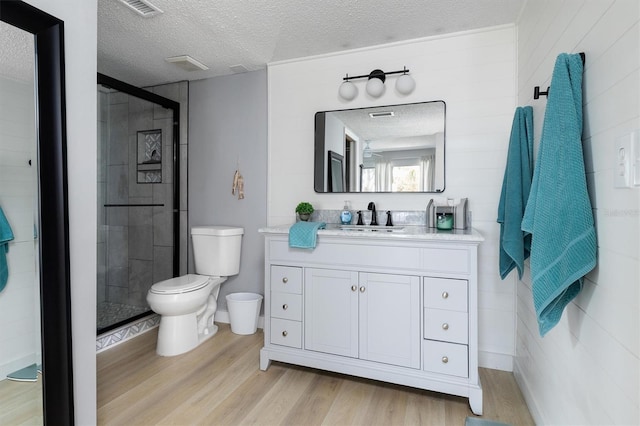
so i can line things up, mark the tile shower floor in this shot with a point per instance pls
(111, 313)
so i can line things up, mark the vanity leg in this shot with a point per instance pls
(265, 362)
(475, 401)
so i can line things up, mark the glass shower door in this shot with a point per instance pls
(137, 193)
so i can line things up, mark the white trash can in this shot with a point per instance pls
(244, 309)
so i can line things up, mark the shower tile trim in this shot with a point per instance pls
(115, 337)
(126, 332)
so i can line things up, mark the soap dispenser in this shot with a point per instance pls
(345, 216)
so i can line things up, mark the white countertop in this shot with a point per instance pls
(409, 232)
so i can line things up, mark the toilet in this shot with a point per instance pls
(187, 304)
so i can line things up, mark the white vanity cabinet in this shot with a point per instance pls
(369, 316)
(400, 308)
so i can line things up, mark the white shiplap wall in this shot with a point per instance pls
(19, 301)
(587, 369)
(475, 74)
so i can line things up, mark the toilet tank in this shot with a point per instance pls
(216, 250)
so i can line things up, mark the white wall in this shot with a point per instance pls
(19, 301)
(586, 370)
(228, 130)
(474, 73)
(80, 26)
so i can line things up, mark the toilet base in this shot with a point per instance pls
(178, 335)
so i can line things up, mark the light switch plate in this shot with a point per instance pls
(622, 161)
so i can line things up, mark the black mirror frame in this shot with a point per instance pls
(319, 153)
(55, 292)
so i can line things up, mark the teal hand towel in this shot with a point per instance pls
(6, 235)
(516, 184)
(558, 212)
(304, 234)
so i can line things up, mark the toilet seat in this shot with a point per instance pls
(183, 284)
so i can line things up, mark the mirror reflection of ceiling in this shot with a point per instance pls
(224, 34)
(395, 127)
(16, 53)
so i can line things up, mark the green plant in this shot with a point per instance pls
(304, 208)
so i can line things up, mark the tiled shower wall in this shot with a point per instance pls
(135, 244)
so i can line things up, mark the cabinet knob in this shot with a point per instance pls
(354, 287)
(445, 295)
(362, 289)
(285, 306)
(445, 326)
(285, 280)
(284, 333)
(445, 359)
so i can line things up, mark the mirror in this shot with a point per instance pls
(49, 238)
(393, 148)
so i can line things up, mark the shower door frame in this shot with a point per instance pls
(129, 89)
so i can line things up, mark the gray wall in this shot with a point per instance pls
(227, 130)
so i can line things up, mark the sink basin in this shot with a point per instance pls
(370, 228)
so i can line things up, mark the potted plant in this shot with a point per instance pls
(304, 210)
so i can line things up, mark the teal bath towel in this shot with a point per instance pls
(304, 234)
(516, 184)
(6, 235)
(558, 213)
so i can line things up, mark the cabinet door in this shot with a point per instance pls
(390, 319)
(331, 311)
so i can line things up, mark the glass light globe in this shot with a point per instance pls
(405, 84)
(348, 91)
(375, 87)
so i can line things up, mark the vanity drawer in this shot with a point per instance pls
(286, 333)
(446, 326)
(286, 279)
(446, 260)
(446, 358)
(445, 293)
(286, 306)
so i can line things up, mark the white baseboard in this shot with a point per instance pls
(495, 361)
(529, 397)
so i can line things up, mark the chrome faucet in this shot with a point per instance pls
(374, 215)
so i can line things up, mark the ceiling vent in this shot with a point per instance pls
(238, 68)
(381, 114)
(187, 63)
(142, 7)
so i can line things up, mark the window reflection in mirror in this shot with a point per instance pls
(394, 148)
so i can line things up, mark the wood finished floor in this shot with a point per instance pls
(21, 402)
(220, 383)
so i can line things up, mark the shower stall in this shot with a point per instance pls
(138, 196)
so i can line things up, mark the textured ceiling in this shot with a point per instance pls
(252, 33)
(16, 53)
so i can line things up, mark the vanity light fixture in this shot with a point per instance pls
(375, 84)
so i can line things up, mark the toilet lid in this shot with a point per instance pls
(183, 284)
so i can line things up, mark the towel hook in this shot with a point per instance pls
(536, 90)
